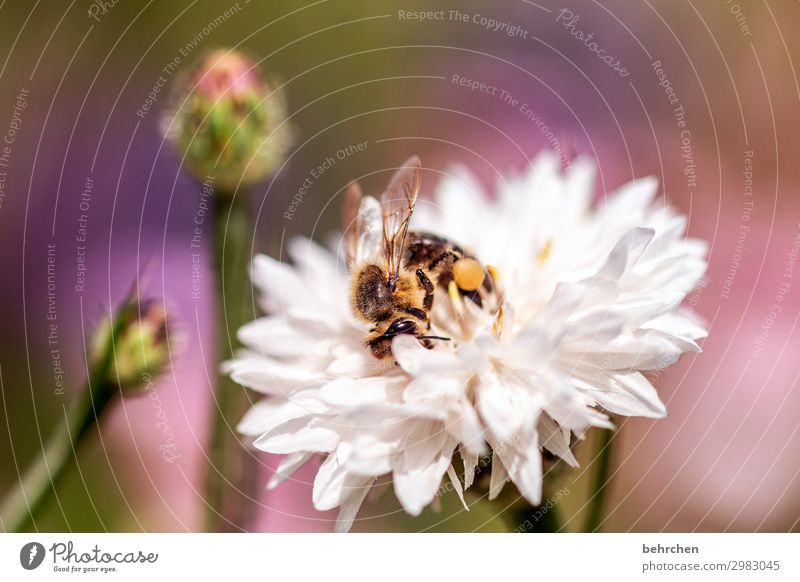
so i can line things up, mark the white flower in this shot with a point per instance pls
(592, 297)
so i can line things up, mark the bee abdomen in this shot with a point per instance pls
(424, 248)
(445, 261)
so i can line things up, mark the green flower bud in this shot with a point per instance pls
(229, 121)
(133, 348)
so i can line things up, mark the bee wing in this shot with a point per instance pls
(361, 222)
(397, 204)
(350, 208)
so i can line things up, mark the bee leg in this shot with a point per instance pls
(380, 347)
(427, 303)
(418, 313)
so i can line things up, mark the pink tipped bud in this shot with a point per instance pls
(229, 121)
(134, 345)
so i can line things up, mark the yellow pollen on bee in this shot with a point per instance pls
(544, 254)
(468, 274)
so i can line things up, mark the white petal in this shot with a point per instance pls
(498, 477)
(593, 329)
(669, 271)
(565, 301)
(352, 364)
(269, 376)
(314, 260)
(329, 484)
(463, 423)
(641, 389)
(456, 485)
(680, 323)
(459, 205)
(279, 284)
(470, 466)
(349, 393)
(416, 360)
(278, 337)
(288, 465)
(351, 505)
(334, 485)
(579, 186)
(555, 440)
(298, 435)
(525, 470)
(638, 309)
(419, 470)
(564, 404)
(626, 394)
(373, 450)
(626, 252)
(529, 348)
(370, 466)
(500, 410)
(269, 413)
(644, 350)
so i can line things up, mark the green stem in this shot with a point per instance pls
(600, 480)
(227, 458)
(522, 517)
(517, 513)
(26, 501)
(529, 519)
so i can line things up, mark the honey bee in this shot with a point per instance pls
(395, 272)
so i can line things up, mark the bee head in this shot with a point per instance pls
(401, 327)
(371, 298)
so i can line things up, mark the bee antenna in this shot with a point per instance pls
(435, 337)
